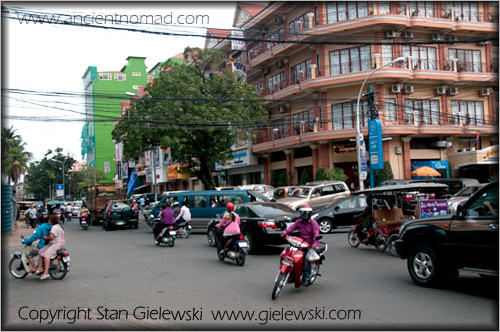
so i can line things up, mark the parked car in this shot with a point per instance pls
(261, 224)
(438, 247)
(282, 192)
(75, 208)
(264, 189)
(199, 204)
(340, 213)
(317, 194)
(455, 184)
(462, 196)
(120, 213)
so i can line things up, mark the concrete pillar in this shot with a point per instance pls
(324, 155)
(289, 164)
(406, 157)
(315, 155)
(265, 161)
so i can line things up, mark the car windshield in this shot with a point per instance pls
(301, 192)
(335, 201)
(466, 192)
(261, 209)
(122, 204)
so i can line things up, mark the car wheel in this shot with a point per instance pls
(136, 224)
(325, 226)
(423, 266)
(252, 246)
(108, 227)
(392, 244)
(212, 237)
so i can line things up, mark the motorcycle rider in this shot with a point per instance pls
(184, 215)
(31, 216)
(67, 209)
(177, 209)
(367, 215)
(231, 225)
(308, 231)
(59, 212)
(166, 218)
(40, 232)
(84, 212)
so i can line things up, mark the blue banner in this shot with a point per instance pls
(375, 144)
(131, 183)
(362, 158)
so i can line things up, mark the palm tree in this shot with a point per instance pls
(14, 159)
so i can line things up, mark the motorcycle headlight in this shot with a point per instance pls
(151, 216)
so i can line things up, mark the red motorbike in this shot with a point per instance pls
(376, 236)
(292, 263)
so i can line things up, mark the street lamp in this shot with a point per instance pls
(64, 187)
(358, 131)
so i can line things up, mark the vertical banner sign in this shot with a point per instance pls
(119, 169)
(59, 190)
(363, 172)
(237, 44)
(107, 167)
(375, 144)
(131, 183)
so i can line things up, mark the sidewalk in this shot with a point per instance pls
(14, 239)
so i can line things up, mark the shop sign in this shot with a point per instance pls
(433, 208)
(240, 158)
(177, 172)
(344, 148)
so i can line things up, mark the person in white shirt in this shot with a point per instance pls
(184, 215)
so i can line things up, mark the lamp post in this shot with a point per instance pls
(358, 131)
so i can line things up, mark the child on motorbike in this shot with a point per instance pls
(231, 224)
(308, 231)
(40, 232)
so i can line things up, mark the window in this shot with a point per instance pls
(347, 204)
(344, 115)
(299, 24)
(421, 57)
(421, 8)
(350, 60)
(196, 201)
(387, 54)
(339, 188)
(242, 211)
(384, 7)
(120, 77)
(464, 10)
(278, 128)
(427, 111)
(150, 77)
(106, 77)
(301, 72)
(135, 87)
(468, 60)
(390, 110)
(275, 39)
(345, 10)
(472, 111)
(136, 73)
(303, 122)
(276, 82)
(327, 190)
(479, 208)
(259, 86)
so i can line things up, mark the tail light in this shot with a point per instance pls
(269, 223)
(241, 237)
(83, 219)
(109, 210)
(408, 197)
(433, 196)
(135, 207)
(65, 254)
(171, 227)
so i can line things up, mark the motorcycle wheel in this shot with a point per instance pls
(353, 239)
(16, 268)
(58, 269)
(278, 285)
(212, 238)
(240, 261)
(314, 272)
(392, 246)
(171, 241)
(219, 255)
(380, 244)
(156, 242)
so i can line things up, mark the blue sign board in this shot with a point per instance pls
(375, 144)
(436, 164)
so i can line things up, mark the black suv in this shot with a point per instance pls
(120, 213)
(437, 247)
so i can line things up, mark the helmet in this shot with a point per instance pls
(230, 207)
(305, 212)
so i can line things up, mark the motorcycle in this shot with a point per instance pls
(61, 217)
(43, 217)
(20, 266)
(292, 263)
(235, 250)
(84, 222)
(68, 215)
(374, 237)
(184, 229)
(166, 236)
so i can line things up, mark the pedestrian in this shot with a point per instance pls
(142, 203)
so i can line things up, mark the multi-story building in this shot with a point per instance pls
(104, 92)
(310, 59)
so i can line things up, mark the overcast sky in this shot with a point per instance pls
(51, 59)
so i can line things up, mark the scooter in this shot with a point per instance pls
(235, 250)
(84, 222)
(20, 266)
(292, 263)
(374, 237)
(68, 215)
(184, 229)
(166, 236)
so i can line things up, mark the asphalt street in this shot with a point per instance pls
(121, 280)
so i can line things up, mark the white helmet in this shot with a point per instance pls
(305, 212)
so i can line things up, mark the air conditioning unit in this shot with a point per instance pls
(265, 71)
(485, 92)
(436, 37)
(395, 89)
(281, 109)
(408, 34)
(408, 89)
(390, 33)
(440, 90)
(279, 64)
(453, 91)
(453, 38)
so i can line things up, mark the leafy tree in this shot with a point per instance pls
(383, 174)
(89, 176)
(336, 173)
(320, 174)
(304, 178)
(197, 114)
(275, 178)
(14, 158)
(283, 181)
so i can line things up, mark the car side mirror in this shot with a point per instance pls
(337, 208)
(459, 211)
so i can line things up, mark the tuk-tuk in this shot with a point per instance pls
(22, 206)
(391, 207)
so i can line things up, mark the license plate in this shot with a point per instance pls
(66, 259)
(171, 232)
(120, 223)
(243, 244)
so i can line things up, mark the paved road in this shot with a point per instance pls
(117, 276)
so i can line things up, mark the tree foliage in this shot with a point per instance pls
(320, 174)
(275, 178)
(304, 177)
(198, 115)
(381, 175)
(14, 158)
(336, 173)
(282, 180)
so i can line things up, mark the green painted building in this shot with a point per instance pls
(104, 92)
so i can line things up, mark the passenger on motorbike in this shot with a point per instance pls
(231, 224)
(40, 232)
(308, 231)
(57, 242)
(166, 218)
(59, 212)
(177, 209)
(367, 221)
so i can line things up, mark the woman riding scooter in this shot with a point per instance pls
(231, 225)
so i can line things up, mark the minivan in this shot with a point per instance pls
(200, 204)
(317, 194)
